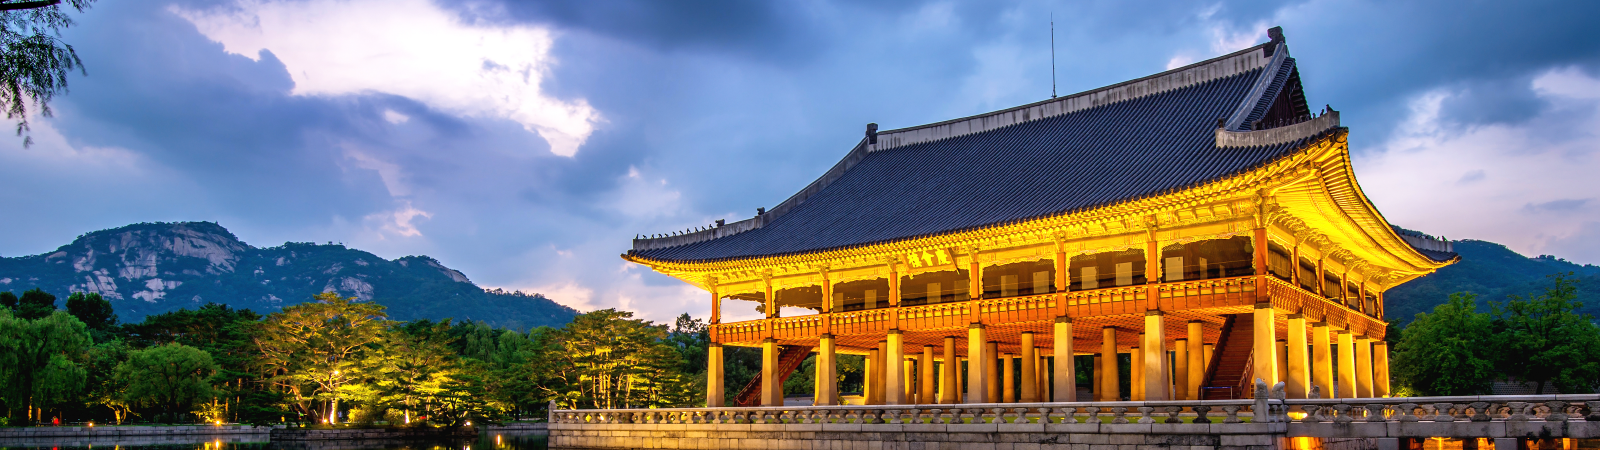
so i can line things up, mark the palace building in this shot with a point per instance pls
(1203, 222)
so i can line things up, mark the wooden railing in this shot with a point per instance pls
(1174, 296)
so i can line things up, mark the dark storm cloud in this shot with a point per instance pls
(710, 109)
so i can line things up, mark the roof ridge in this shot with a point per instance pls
(1220, 67)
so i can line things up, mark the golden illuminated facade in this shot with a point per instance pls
(1201, 221)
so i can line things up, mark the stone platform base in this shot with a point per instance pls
(923, 436)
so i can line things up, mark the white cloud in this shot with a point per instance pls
(410, 48)
(396, 118)
(397, 222)
(1528, 185)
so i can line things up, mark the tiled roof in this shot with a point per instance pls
(1148, 137)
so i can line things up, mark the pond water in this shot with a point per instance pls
(508, 440)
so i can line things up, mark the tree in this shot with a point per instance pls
(1448, 352)
(95, 312)
(172, 377)
(318, 345)
(8, 300)
(38, 359)
(620, 362)
(411, 367)
(35, 303)
(1543, 340)
(35, 60)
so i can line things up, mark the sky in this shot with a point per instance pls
(525, 143)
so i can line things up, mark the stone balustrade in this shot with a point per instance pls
(1259, 424)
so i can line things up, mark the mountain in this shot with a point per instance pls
(1494, 272)
(151, 268)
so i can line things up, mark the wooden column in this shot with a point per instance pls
(1063, 280)
(1156, 382)
(1322, 359)
(894, 285)
(1066, 376)
(978, 357)
(1363, 367)
(1030, 371)
(714, 390)
(771, 386)
(1008, 377)
(827, 366)
(1296, 385)
(894, 369)
(1380, 369)
(1264, 345)
(827, 293)
(1180, 369)
(925, 377)
(947, 383)
(772, 302)
(1197, 358)
(1347, 364)
(1109, 388)
(716, 306)
(1152, 275)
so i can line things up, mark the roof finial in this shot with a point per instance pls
(872, 133)
(1276, 34)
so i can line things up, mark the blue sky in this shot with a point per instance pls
(525, 143)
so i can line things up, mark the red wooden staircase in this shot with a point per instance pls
(788, 360)
(1228, 372)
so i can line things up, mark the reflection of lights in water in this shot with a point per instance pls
(497, 440)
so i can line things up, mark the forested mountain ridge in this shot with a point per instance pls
(151, 268)
(1494, 272)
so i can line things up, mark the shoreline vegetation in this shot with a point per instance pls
(340, 363)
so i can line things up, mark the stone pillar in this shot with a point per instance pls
(827, 366)
(771, 386)
(1321, 359)
(714, 391)
(869, 378)
(925, 377)
(1296, 386)
(1264, 345)
(1197, 359)
(1136, 372)
(1363, 367)
(1109, 388)
(1180, 369)
(1205, 356)
(1066, 376)
(948, 388)
(1030, 370)
(1096, 386)
(978, 358)
(1283, 357)
(1008, 373)
(1347, 364)
(961, 379)
(1380, 369)
(894, 374)
(1157, 383)
(991, 368)
(909, 368)
(1041, 371)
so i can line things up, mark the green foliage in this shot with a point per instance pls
(8, 300)
(1543, 340)
(38, 359)
(614, 361)
(315, 348)
(172, 376)
(95, 312)
(35, 304)
(1446, 352)
(36, 60)
(1493, 272)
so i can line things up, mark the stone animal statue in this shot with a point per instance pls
(1316, 392)
(1278, 391)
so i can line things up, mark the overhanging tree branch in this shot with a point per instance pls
(28, 4)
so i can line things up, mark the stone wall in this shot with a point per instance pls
(989, 436)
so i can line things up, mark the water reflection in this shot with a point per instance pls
(512, 440)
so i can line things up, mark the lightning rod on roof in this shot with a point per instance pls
(1052, 54)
